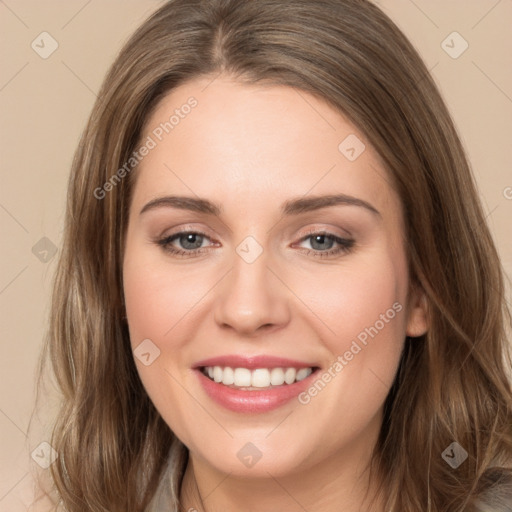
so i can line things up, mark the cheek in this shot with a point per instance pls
(157, 301)
(158, 304)
(348, 299)
(361, 313)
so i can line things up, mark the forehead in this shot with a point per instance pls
(256, 145)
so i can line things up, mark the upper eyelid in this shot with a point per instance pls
(304, 236)
(190, 227)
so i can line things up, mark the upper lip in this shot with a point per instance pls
(253, 362)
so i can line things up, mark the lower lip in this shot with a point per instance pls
(241, 401)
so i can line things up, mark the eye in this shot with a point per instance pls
(324, 244)
(190, 243)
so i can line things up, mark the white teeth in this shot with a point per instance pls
(228, 376)
(289, 375)
(217, 374)
(303, 373)
(276, 376)
(258, 378)
(242, 377)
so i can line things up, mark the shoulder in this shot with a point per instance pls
(497, 493)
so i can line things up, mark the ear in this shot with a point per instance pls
(417, 313)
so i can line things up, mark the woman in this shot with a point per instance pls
(211, 353)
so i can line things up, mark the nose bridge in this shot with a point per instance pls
(250, 295)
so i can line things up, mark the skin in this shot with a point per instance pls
(251, 148)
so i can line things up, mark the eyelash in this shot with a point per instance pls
(345, 245)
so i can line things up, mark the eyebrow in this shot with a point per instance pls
(290, 207)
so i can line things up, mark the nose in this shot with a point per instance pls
(252, 299)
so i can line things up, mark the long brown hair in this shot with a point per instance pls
(453, 383)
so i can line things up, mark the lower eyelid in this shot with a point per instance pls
(342, 247)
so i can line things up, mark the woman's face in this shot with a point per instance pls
(294, 263)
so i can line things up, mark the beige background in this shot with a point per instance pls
(45, 104)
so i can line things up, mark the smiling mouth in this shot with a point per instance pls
(260, 378)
